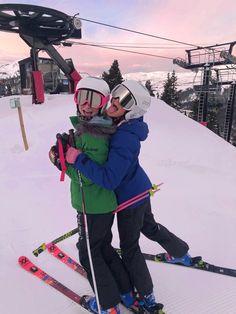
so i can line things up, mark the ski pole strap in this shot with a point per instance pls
(139, 197)
(61, 157)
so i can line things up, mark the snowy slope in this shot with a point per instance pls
(197, 202)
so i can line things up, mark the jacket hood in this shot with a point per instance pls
(137, 127)
(94, 126)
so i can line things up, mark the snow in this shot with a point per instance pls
(9, 70)
(197, 202)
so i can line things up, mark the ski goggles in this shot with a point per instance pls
(126, 98)
(94, 98)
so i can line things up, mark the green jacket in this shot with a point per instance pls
(91, 137)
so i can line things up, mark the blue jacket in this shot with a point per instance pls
(122, 172)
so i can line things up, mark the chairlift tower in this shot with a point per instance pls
(41, 28)
(231, 99)
(206, 58)
(204, 94)
(229, 112)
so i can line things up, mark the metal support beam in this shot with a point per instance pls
(37, 44)
(229, 113)
(203, 98)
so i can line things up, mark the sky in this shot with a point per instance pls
(197, 202)
(198, 23)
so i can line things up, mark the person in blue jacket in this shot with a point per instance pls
(123, 174)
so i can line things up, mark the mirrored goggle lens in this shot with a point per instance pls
(93, 98)
(125, 97)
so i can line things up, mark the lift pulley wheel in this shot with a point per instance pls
(50, 25)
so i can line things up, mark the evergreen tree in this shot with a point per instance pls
(213, 107)
(149, 87)
(212, 122)
(170, 94)
(113, 77)
(194, 108)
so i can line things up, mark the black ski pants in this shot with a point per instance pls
(156, 232)
(130, 223)
(111, 276)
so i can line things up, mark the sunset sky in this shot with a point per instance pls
(195, 22)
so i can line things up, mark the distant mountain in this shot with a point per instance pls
(8, 70)
(157, 78)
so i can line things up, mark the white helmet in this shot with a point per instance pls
(94, 89)
(134, 98)
(94, 83)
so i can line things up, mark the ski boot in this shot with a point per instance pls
(130, 302)
(150, 305)
(89, 303)
(184, 260)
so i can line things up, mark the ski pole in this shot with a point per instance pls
(88, 244)
(73, 144)
(61, 156)
(137, 198)
(43, 246)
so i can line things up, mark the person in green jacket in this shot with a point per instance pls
(92, 137)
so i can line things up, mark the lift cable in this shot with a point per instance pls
(105, 47)
(140, 33)
(131, 46)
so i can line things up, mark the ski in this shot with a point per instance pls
(197, 263)
(42, 275)
(43, 246)
(67, 260)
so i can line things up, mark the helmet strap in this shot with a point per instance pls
(118, 119)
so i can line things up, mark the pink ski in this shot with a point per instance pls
(37, 272)
(59, 254)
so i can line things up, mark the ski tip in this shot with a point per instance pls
(40, 249)
(23, 260)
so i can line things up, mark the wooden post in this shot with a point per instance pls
(22, 127)
(15, 103)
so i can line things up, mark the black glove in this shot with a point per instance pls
(65, 140)
(54, 157)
